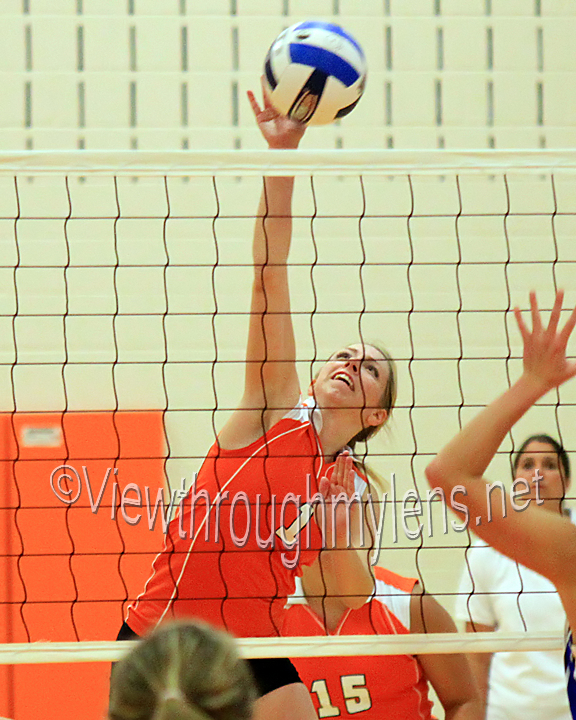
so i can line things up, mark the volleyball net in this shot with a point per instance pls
(124, 305)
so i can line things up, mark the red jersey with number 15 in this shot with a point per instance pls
(364, 687)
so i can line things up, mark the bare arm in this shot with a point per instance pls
(271, 382)
(540, 540)
(344, 563)
(480, 664)
(450, 675)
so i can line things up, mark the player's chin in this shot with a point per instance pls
(333, 395)
(346, 402)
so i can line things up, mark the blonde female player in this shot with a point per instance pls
(541, 540)
(373, 687)
(183, 671)
(274, 449)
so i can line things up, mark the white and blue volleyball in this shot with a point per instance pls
(315, 72)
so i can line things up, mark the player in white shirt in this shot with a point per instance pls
(498, 594)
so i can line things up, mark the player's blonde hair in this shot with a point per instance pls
(182, 671)
(387, 401)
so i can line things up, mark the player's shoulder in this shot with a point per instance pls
(304, 412)
(390, 579)
(393, 595)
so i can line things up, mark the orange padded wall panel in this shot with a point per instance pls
(68, 570)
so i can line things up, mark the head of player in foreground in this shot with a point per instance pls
(182, 671)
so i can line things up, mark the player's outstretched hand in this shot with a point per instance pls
(342, 518)
(279, 131)
(545, 361)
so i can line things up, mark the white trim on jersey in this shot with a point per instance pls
(396, 600)
(393, 599)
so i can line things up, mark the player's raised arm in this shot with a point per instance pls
(271, 382)
(535, 538)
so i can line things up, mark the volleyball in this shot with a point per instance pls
(315, 72)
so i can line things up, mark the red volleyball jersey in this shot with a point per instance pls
(364, 687)
(222, 566)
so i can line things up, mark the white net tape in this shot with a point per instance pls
(439, 643)
(300, 162)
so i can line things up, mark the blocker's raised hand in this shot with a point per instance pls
(545, 361)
